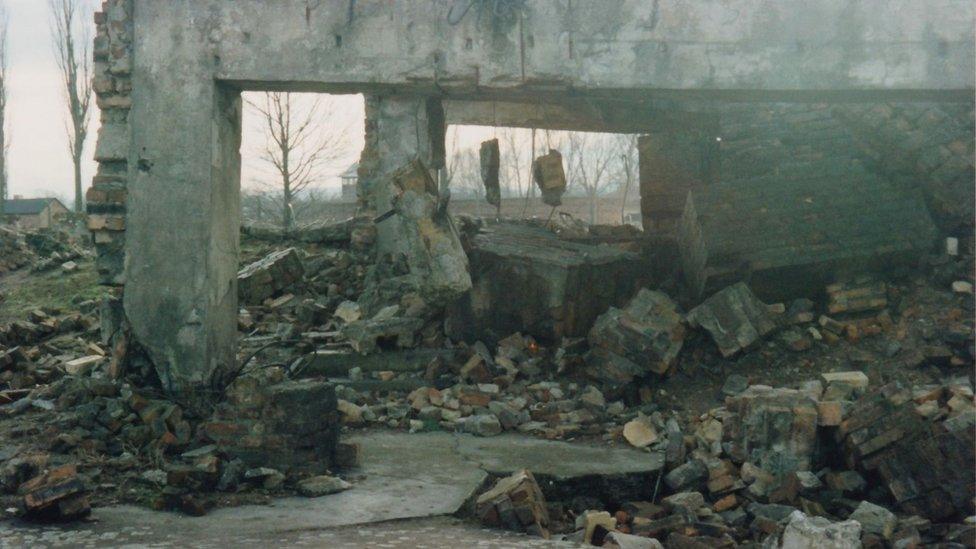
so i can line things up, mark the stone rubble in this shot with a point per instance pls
(269, 276)
(57, 494)
(805, 532)
(734, 317)
(643, 338)
(351, 343)
(39, 249)
(515, 503)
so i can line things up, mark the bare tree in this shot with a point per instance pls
(449, 171)
(303, 138)
(259, 208)
(4, 139)
(515, 162)
(71, 37)
(589, 159)
(463, 173)
(627, 165)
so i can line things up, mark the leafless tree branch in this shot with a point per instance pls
(71, 36)
(303, 138)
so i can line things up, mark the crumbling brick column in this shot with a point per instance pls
(398, 129)
(404, 150)
(671, 164)
(112, 83)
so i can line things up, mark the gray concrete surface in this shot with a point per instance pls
(505, 454)
(610, 44)
(165, 532)
(402, 477)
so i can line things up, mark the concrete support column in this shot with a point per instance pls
(398, 129)
(671, 164)
(397, 182)
(183, 210)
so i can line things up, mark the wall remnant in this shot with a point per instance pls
(112, 83)
(164, 209)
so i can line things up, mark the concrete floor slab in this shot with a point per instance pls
(402, 476)
(429, 533)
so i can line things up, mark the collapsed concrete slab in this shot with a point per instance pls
(796, 230)
(527, 280)
(670, 165)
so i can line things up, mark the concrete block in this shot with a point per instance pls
(775, 429)
(549, 176)
(649, 332)
(269, 275)
(734, 317)
(527, 280)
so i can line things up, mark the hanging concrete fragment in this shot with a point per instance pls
(490, 161)
(547, 171)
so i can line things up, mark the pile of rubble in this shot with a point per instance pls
(41, 348)
(41, 249)
(763, 468)
(84, 431)
(335, 336)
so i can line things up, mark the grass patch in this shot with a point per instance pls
(25, 291)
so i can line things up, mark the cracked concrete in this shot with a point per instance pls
(433, 533)
(402, 476)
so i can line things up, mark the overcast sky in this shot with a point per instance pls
(39, 159)
(39, 162)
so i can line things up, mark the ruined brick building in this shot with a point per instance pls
(857, 116)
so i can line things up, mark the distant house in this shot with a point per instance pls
(349, 179)
(33, 213)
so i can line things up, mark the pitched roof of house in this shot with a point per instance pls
(27, 206)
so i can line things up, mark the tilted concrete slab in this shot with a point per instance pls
(505, 454)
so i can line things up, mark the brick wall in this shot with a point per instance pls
(925, 144)
(798, 202)
(112, 85)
